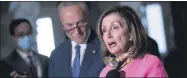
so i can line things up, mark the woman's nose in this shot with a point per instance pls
(109, 35)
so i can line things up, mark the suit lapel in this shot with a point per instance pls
(90, 53)
(19, 64)
(66, 60)
(41, 63)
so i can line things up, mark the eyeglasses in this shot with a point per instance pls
(81, 25)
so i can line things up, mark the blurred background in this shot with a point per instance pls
(164, 22)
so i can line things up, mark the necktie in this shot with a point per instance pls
(76, 63)
(32, 68)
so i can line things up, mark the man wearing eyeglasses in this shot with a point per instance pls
(23, 61)
(79, 55)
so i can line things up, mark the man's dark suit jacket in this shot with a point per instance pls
(5, 70)
(92, 64)
(17, 63)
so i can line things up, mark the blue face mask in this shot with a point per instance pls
(25, 42)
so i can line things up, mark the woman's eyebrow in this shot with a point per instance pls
(115, 22)
(120, 23)
(102, 26)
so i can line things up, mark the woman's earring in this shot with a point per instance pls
(130, 38)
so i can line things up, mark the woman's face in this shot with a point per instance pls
(115, 34)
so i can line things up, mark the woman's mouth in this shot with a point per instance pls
(112, 44)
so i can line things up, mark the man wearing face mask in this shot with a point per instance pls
(23, 61)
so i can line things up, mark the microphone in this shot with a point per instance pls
(114, 73)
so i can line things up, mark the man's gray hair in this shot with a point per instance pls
(68, 3)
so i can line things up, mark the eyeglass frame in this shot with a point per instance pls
(78, 25)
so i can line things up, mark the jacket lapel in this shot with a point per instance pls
(41, 63)
(90, 53)
(65, 61)
(19, 64)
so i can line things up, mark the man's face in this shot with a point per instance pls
(74, 22)
(23, 36)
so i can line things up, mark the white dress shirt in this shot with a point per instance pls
(82, 49)
(37, 63)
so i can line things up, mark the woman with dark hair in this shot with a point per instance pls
(123, 42)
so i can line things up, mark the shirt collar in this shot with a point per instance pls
(23, 54)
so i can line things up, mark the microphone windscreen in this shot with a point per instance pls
(113, 74)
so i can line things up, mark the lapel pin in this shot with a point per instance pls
(93, 51)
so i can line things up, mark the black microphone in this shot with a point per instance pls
(114, 73)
